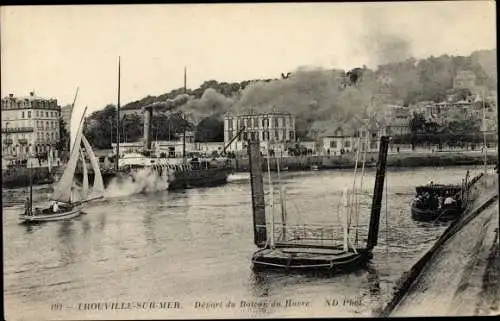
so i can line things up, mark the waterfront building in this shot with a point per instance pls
(349, 136)
(273, 129)
(30, 125)
(171, 148)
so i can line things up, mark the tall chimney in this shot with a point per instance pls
(258, 202)
(378, 193)
(148, 110)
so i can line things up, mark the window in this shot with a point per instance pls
(230, 124)
(263, 135)
(29, 114)
(276, 122)
(252, 135)
(52, 135)
(22, 114)
(254, 122)
(263, 123)
(245, 136)
(47, 114)
(46, 125)
(284, 134)
(276, 135)
(347, 143)
(37, 114)
(291, 135)
(333, 144)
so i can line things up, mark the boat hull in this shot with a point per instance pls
(303, 262)
(74, 212)
(427, 215)
(215, 176)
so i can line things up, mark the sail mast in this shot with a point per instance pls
(484, 137)
(30, 208)
(184, 126)
(118, 117)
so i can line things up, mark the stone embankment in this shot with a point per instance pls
(403, 159)
(460, 275)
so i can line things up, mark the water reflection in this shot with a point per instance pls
(30, 228)
(65, 234)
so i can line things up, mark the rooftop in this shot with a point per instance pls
(32, 96)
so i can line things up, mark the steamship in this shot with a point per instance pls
(178, 173)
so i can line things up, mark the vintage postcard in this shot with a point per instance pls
(203, 161)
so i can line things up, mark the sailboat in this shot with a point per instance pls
(301, 254)
(68, 203)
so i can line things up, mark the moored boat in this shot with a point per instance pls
(440, 202)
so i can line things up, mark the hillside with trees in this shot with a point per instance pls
(312, 95)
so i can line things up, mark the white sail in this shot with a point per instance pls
(62, 191)
(98, 187)
(85, 187)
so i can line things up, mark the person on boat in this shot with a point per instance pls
(27, 207)
(440, 202)
(449, 200)
(55, 207)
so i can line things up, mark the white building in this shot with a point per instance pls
(30, 125)
(274, 130)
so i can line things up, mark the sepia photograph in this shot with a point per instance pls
(249, 160)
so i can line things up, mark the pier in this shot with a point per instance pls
(459, 274)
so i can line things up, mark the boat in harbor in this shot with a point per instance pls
(177, 172)
(289, 248)
(440, 202)
(68, 200)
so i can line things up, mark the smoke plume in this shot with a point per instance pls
(143, 181)
(211, 103)
(310, 94)
(384, 43)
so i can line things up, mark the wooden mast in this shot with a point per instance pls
(257, 185)
(30, 208)
(378, 193)
(118, 118)
(184, 125)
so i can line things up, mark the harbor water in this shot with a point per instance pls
(187, 253)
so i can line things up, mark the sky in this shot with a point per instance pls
(55, 49)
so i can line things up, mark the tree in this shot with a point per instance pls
(210, 129)
(64, 137)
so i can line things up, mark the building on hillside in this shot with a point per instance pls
(274, 129)
(397, 119)
(30, 125)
